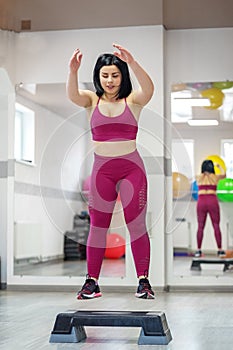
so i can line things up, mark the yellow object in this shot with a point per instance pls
(218, 161)
(215, 96)
(181, 185)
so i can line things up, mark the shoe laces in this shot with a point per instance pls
(145, 284)
(88, 285)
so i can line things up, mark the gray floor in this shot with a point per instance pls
(198, 321)
(113, 268)
(110, 268)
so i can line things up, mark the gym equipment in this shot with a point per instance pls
(217, 161)
(75, 241)
(86, 184)
(199, 86)
(223, 84)
(68, 327)
(225, 190)
(178, 87)
(181, 185)
(194, 190)
(115, 246)
(196, 263)
(215, 96)
(86, 187)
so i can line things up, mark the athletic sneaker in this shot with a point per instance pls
(144, 290)
(89, 290)
(198, 254)
(221, 254)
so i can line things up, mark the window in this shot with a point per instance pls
(227, 155)
(183, 157)
(24, 149)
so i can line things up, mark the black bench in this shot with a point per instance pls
(68, 327)
(196, 263)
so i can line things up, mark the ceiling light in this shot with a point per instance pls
(194, 101)
(202, 122)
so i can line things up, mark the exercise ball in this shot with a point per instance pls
(194, 190)
(229, 254)
(115, 246)
(223, 84)
(181, 185)
(178, 87)
(86, 184)
(217, 161)
(86, 187)
(225, 190)
(215, 96)
(199, 86)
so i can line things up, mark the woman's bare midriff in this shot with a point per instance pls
(114, 149)
(206, 192)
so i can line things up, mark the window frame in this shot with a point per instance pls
(24, 138)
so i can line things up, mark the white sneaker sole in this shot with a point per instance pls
(145, 295)
(89, 296)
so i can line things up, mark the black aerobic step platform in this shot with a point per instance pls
(196, 263)
(68, 327)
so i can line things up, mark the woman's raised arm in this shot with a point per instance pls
(146, 87)
(82, 98)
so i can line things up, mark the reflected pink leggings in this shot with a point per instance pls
(110, 175)
(208, 203)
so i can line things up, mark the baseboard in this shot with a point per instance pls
(73, 289)
(200, 288)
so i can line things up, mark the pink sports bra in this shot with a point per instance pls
(207, 187)
(120, 128)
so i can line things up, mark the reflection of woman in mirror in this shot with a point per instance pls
(208, 203)
(114, 111)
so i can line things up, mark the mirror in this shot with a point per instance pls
(202, 124)
(54, 159)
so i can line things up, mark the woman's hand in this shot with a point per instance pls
(124, 54)
(143, 94)
(222, 174)
(75, 61)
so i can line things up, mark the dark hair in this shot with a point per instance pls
(108, 59)
(208, 166)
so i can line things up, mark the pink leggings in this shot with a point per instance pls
(110, 175)
(208, 203)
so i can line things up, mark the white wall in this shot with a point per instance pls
(199, 55)
(7, 53)
(44, 56)
(43, 190)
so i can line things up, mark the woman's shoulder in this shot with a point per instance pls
(136, 97)
(91, 94)
(199, 179)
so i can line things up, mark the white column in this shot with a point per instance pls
(7, 97)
